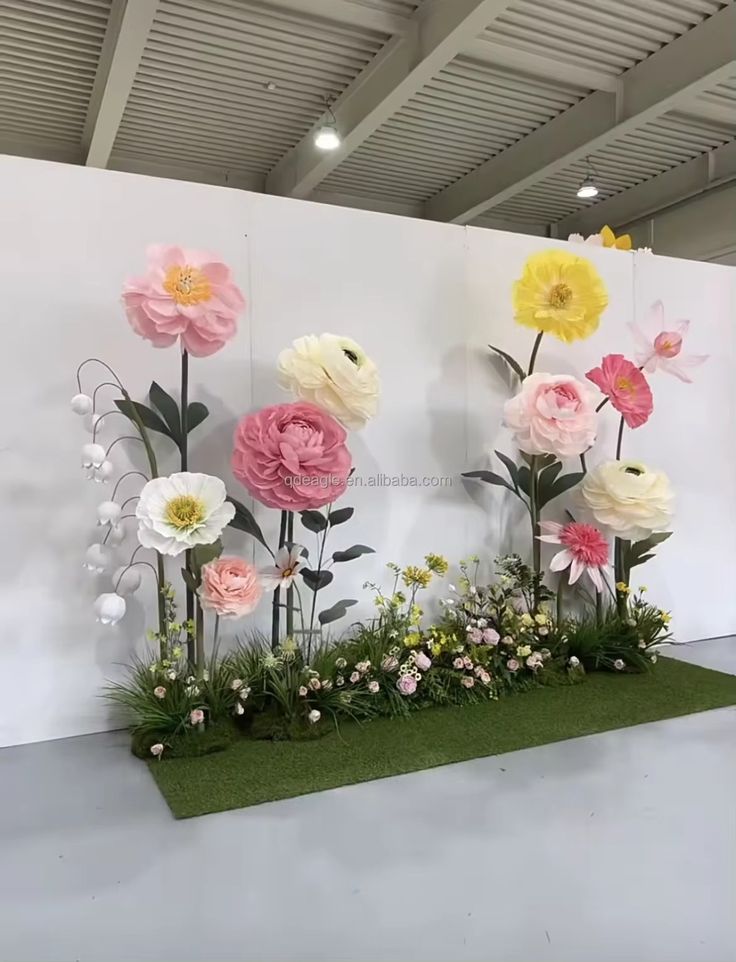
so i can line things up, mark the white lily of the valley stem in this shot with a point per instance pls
(82, 404)
(109, 608)
(126, 580)
(108, 512)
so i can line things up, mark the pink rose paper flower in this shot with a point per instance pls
(552, 414)
(407, 684)
(422, 662)
(584, 549)
(626, 387)
(292, 456)
(490, 636)
(230, 587)
(512, 664)
(659, 345)
(185, 293)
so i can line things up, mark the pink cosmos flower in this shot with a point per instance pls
(230, 587)
(584, 549)
(185, 293)
(659, 348)
(490, 636)
(422, 662)
(626, 387)
(407, 684)
(292, 456)
(552, 414)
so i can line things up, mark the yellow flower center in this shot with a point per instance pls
(287, 572)
(560, 295)
(187, 285)
(185, 511)
(625, 385)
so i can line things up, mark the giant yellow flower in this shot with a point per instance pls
(561, 294)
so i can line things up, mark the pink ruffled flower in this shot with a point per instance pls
(407, 684)
(422, 662)
(292, 456)
(490, 636)
(584, 549)
(475, 635)
(659, 348)
(230, 587)
(468, 681)
(626, 387)
(458, 663)
(512, 664)
(185, 293)
(552, 414)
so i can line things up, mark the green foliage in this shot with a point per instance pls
(244, 521)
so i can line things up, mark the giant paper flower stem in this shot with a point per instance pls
(184, 451)
(276, 612)
(620, 576)
(290, 589)
(534, 491)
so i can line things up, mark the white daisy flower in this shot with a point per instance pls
(285, 568)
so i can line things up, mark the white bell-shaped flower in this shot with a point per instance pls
(93, 455)
(82, 404)
(126, 580)
(109, 608)
(104, 472)
(91, 421)
(108, 512)
(98, 558)
(116, 535)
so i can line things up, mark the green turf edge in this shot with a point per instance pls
(252, 772)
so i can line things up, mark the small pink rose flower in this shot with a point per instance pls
(292, 456)
(355, 677)
(467, 662)
(490, 636)
(475, 635)
(303, 692)
(390, 663)
(373, 687)
(512, 664)
(485, 678)
(626, 387)
(196, 717)
(468, 681)
(362, 666)
(184, 293)
(534, 661)
(458, 663)
(552, 414)
(422, 662)
(159, 691)
(407, 684)
(230, 587)
(157, 750)
(315, 684)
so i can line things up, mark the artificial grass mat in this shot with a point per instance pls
(251, 772)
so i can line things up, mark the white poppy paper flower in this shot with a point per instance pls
(335, 374)
(181, 511)
(108, 512)
(126, 580)
(629, 498)
(82, 404)
(109, 608)
(98, 558)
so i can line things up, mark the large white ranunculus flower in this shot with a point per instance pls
(334, 373)
(629, 498)
(183, 510)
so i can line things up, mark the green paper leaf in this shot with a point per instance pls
(168, 407)
(525, 480)
(510, 467)
(244, 521)
(351, 553)
(489, 477)
(340, 516)
(189, 580)
(150, 419)
(316, 579)
(561, 485)
(512, 363)
(196, 413)
(202, 554)
(338, 610)
(313, 520)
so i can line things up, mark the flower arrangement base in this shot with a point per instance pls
(253, 771)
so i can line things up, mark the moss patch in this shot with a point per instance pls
(251, 772)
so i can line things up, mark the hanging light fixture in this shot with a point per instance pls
(588, 188)
(327, 136)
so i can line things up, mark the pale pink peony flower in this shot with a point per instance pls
(661, 349)
(475, 635)
(230, 587)
(552, 414)
(490, 636)
(185, 293)
(468, 681)
(373, 687)
(422, 662)
(512, 664)
(196, 717)
(159, 691)
(584, 549)
(292, 456)
(407, 684)
(355, 677)
(626, 387)
(534, 661)
(485, 678)
(362, 666)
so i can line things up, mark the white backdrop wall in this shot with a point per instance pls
(423, 298)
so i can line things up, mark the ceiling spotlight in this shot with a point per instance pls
(587, 188)
(327, 136)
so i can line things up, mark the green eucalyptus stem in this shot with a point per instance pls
(184, 452)
(290, 589)
(160, 569)
(276, 610)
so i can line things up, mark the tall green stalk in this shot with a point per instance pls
(620, 574)
(534, 509)
(276, 611)
(184, 452)
(290, 589)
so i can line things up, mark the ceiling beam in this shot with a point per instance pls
(127, 31)
(539, 65)
(437, 33)
(671, 187)
(690, 65)
(349, 14)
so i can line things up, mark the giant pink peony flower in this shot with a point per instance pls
(292, 456)
(187, 294)
(230, 587)
(552, 414)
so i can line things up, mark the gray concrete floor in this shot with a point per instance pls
(608, 848)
